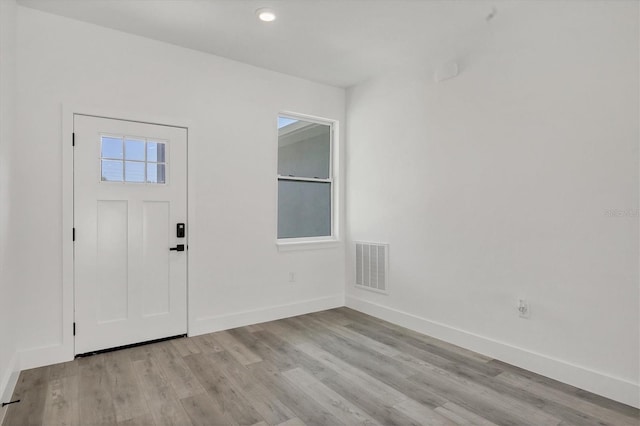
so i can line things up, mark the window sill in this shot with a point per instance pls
(307, 244)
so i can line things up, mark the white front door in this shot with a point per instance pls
(130, 194)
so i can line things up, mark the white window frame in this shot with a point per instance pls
(286, 244)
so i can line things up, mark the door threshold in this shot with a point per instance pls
(132, 345)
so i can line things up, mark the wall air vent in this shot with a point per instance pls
(372, 266)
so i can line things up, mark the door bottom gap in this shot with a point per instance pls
(132, 345)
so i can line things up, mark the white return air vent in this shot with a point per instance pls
(372, 266)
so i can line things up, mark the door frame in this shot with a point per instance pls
(67, 348)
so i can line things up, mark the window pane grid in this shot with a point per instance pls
(132, 160)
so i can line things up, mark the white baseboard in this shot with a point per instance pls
(271, 313)
(8, 383)
(593, 381)
(26, 359)
(45, 355)
(56, 353)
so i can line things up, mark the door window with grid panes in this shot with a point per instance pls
(132, 160)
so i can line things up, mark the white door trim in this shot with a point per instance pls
(65, 350)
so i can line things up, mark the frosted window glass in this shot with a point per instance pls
(304, 209)
(111, 148)
(112, 171)
(134, 150)
(133, 171)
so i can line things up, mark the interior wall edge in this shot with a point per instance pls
(593, 381)
(8, 383)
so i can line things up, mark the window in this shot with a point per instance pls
(132, 160)
(305, 181)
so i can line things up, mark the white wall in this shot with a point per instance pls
(8, 293)
(496, 185)
(236, 274)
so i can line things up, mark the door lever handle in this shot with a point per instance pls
(179, 247)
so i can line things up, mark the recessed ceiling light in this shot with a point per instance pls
(266, 15)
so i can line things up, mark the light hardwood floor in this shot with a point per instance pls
(337, 367)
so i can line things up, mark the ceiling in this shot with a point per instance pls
(337, 42)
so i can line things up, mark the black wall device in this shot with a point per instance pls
(180, 230)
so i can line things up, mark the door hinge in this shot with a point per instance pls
(74, 234)
(74, 328)
(73, 139)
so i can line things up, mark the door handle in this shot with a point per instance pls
(179, 247)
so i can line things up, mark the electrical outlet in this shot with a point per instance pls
(292, 277)
(524, 310)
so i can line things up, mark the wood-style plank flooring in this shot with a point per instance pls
(337, 367)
